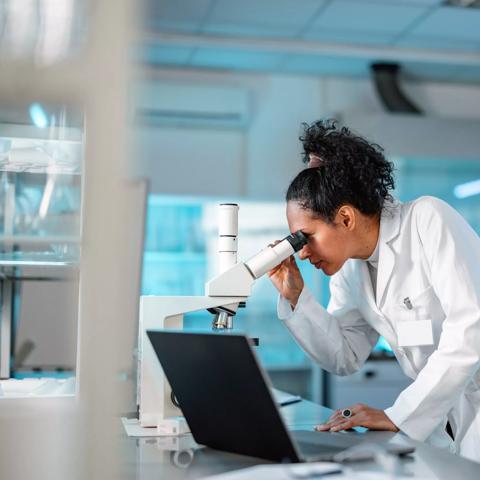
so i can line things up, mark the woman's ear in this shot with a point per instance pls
(314, 160)
(346, 217)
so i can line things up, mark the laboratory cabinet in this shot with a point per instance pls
(40, 228)
(377, 384)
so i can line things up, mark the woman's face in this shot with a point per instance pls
(327, 243)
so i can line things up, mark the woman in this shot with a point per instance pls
(409, 272)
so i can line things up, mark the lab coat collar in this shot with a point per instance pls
(390, 220)
(378, 321)
(389, 230)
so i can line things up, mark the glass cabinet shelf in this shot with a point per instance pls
(37, 259)
(35, 240)
(41, 164)
(13, 131)
(40, 189)
(27, 149)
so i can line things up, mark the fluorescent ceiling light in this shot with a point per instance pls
(468, 189)
(38, 116)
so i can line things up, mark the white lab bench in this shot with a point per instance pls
(180, 457)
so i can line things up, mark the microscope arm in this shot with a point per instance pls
(237, 281)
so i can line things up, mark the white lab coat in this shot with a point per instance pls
(427, 252)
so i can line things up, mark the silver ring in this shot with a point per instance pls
(346, 413)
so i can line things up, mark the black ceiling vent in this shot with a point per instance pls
(394, 100)
(463, 3)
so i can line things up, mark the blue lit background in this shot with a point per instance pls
(176, 260)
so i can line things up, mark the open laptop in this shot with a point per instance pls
(225, 396)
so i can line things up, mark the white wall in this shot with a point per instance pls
(258, 161)
(273, 150)
(193, 161)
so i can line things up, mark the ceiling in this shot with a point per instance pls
(430, 39)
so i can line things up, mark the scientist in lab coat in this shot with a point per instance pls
(407, 271)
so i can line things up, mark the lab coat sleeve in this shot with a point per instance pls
(452, 250)
(339, 339)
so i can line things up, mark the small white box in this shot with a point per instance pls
(173, 426)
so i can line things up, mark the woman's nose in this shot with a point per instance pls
(304, 253)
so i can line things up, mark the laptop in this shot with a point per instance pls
(225, 397)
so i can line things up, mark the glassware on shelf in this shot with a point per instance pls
(40, 203)
(40, 177)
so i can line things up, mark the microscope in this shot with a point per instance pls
(224, 294)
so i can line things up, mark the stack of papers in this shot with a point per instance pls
(284, 398)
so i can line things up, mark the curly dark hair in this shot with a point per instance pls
(350, 171)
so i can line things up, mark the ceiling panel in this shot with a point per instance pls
(367, 16)
(166, 15)
(158, 55)
(412, 24)
(438, 42)
(470, 74)
(324, 65)
(350, 37)
(422, 70)
(424, 3)
(236, 59)
(450, 22)
(251, 30)
(248, 17)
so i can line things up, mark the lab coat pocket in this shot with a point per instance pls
(413, 319)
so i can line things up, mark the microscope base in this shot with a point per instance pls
(134, 429)
(173, 426)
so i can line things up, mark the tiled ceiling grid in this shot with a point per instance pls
(382, 24)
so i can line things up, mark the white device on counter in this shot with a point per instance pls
(223, 295)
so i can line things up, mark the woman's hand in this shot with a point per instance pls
(287, 280)
(361, 416)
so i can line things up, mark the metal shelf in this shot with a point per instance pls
(36, 239)
(25, 263)
(18, 131)
(54, 150)
(36, 259)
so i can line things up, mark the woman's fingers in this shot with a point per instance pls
(344, 425)
(276, 242)
(338, 418)
(361, 416)
(274, 270)
(334, 418)
(293, 263)
(288, 264)
(287, 279)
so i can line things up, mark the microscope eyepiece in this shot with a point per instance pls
(297, 240)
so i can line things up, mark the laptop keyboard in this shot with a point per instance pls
(314, 449)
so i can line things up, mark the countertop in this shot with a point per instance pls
(181, 458)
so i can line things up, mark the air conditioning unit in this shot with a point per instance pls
(408, 135)
(191, 105)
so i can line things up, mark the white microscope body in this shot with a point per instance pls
(223, 295)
